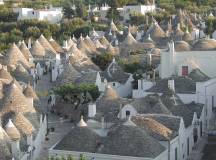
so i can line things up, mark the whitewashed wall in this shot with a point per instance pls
(205, 60)
(60, 153)
(123, 90)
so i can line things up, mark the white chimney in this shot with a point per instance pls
(65, 44)
(150, 59)
(29, 43)
(91, 110)
(172, 47)
(171, 84)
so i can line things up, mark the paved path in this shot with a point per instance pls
(197, 152)
(61, 128)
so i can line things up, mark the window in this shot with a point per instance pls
(184, 70)
(127, 113)
(176, 153)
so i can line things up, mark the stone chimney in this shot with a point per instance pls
(91, 110)
(171, 85)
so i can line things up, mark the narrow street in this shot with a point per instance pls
(60, 128)
(198, 153)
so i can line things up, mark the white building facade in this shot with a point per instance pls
(52, 15)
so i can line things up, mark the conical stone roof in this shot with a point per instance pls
(182, 46)
(14, 56)
(187, 37)
(47, 46)
(156, 32)
(113, 27)
(111, 50)
(23, 124)
(69, 74)
(89, 43)
(30, 93)
(83, 47)
(21, 74)
(205, 45)
(12, 131)
(56, 46)
(104, 41)
(24, 49)
(76, 54)
(38, 50)
(4, 74)
(98, 44)
(14, 100)
(71, 43)
(3, 135)
(129, 40)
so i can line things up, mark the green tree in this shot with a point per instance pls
(7, 15)
(81, 10)
(117, 3)
(137, 19)
(70, 157)
(68, 11)
(103, 60)
(33, 32)
(68, 27)
(15, 35)
(82, 157)
(114, 14)
(67, 90)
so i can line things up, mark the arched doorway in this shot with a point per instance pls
(195, 134)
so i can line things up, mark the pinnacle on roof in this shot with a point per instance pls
(82, 123)
(94, 33)
(74, 38)
(71, 42)
(12, 131)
